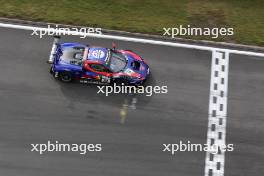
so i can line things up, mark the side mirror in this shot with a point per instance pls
(113, 45)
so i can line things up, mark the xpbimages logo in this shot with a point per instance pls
(126, 89)
(190, 147)
(58, 31)
(61, 147)
(197, 31)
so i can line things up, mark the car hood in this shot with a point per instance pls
(136, 66)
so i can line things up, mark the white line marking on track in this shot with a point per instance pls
(130, 39)
(217, 113)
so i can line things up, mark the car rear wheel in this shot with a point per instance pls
(66, 76)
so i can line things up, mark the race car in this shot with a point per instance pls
(93, 64)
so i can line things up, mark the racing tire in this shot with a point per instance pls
(51, 71)
(66, 76)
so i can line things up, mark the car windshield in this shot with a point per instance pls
(117, 61)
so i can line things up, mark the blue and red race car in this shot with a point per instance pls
(88, 64)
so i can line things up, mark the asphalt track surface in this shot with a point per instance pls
(245, 121)
(36, 108)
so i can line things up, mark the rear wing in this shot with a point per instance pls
(53, 49)
(85, 53)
